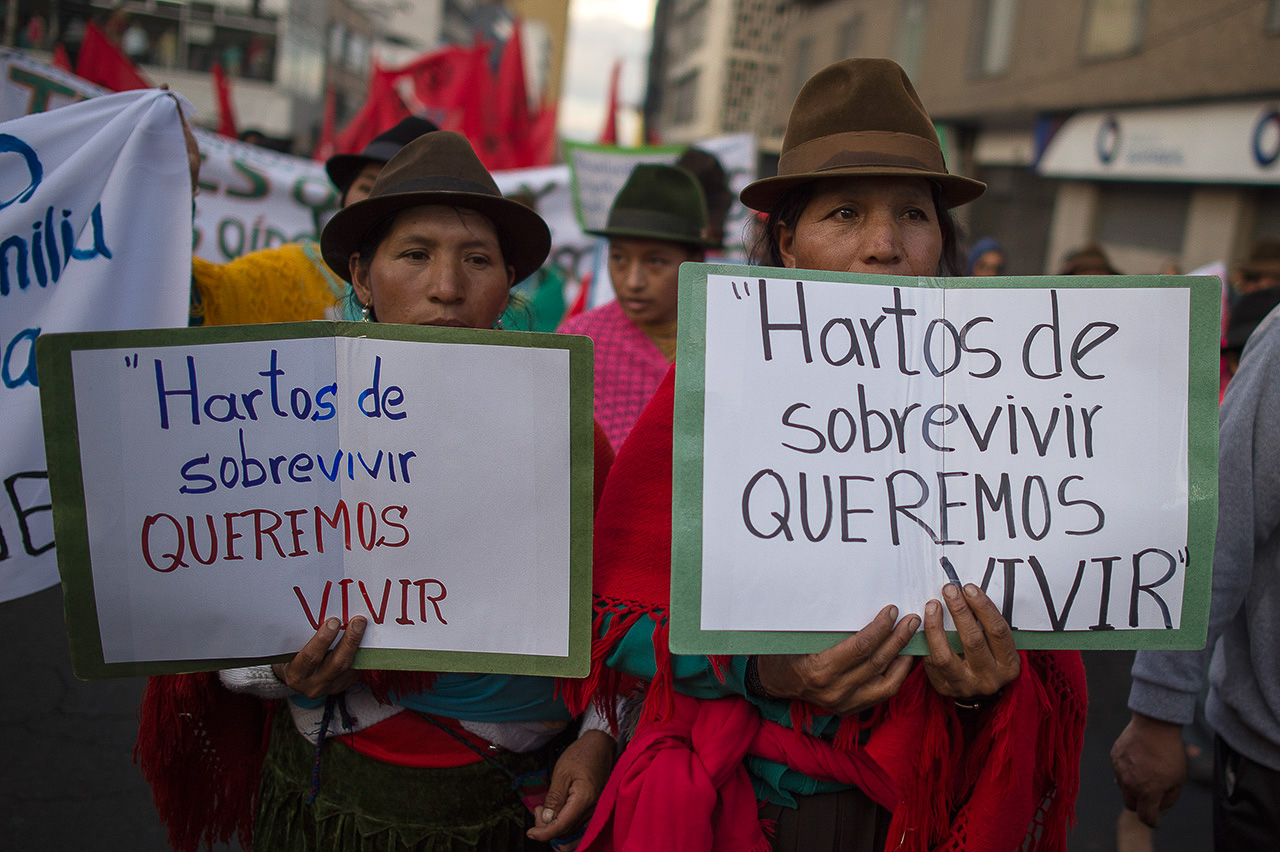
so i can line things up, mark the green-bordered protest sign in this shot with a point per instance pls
(220, 492)
(843, 442)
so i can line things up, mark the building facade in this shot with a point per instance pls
(282, 56)
(1148, 126)
(714, 67)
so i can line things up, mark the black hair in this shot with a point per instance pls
(787, 210)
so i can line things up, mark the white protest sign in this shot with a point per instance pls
(238, 492)
(95, 212)
(863, 444)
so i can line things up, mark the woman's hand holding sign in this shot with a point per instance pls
(317, 671)
(868, 667)
(857, 673)
(990, 659)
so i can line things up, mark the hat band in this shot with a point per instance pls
(863, 148)
(653, 221)
(440, 183)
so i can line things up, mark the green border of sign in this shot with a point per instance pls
(687, 635)
(62, 448)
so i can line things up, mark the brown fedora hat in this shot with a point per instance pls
(862, 118)
(438, 168)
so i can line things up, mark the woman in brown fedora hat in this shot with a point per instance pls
(364, 760)
(976, 750)
(292, 282)
(657, 222)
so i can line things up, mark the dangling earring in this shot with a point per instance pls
(498, 323)
(364, 313)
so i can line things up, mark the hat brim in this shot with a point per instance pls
(527, 238)
(641, 234)
(763, 194)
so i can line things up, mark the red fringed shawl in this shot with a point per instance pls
(200, 746)
(1011, 785)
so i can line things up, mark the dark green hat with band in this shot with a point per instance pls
(659, 203)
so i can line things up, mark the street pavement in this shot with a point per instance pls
(68, 782)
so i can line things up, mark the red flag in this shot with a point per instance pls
(326, 145)
(382, 109)
(609, 135)
(580, 300)
(226, 112)
(541, 146)
(60, 58)
(477, 116)
(513, 103)
(102, 62)
(439, 79)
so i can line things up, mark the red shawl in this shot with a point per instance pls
(200, 746)
(1012, 782)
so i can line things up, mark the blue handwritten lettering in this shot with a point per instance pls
(39, 254)
(28, 374)
(12, 144)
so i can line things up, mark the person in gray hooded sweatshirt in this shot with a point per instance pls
(1242, 653)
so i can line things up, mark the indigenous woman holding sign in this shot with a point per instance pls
(292, 282)
(437, 761)
(857, 747)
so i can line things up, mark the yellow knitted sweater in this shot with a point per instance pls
(284, 284)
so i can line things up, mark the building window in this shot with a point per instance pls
(756, 25)
(800, 70)
(994, 36)
(1273, 17)
(684, 99)
(910, 35)
(850, 36)
(337, 43)
(689, 25)
(356, 56)
(1112, 28)
(741, 99)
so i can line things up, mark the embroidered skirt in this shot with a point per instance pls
(365, 805)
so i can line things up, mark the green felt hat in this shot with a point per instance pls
(855, 118)
(659, 203)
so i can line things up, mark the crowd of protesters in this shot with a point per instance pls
(857, 747)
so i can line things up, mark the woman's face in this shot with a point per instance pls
(646, 277)
(882, 225)
(436, 266)
(362, 185)
(989, 263)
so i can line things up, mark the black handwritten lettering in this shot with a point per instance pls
(767, 328)
(783, 518)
